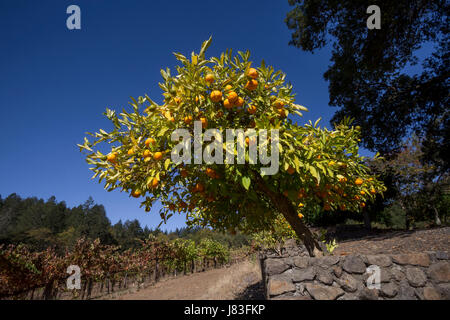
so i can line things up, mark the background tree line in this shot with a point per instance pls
(40, 224)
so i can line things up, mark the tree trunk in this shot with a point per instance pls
(284, 206)
(366, 220)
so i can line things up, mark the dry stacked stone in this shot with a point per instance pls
(291, 274)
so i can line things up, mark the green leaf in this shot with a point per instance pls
(167, 163)
(246, 182)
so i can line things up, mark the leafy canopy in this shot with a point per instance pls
(317, 166)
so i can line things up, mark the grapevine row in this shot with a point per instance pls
(23, 271)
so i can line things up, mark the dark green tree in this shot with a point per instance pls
(370, 79)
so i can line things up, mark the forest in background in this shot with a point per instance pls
(40, 224)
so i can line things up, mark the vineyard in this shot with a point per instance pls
(25, 274)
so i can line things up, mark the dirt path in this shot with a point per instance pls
(240, 281)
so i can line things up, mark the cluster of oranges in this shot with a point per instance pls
(327, 196)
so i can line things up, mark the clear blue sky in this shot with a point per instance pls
(55, 83)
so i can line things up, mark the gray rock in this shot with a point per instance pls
(440, 271)
(325, 277)
(441, 255)
(348, 283)
(325, 262)
(397, 273)
(430, 293)
(405, 292)
(444, 289)
(275, 266)
(348, 296)
(416, 259)
(381, 260)
(388, 290)
(320, 292)
(354, 264)
(416, 277)
(279, 285)
(337, 271)
(368, 294)
(300, 262)
(304, 274)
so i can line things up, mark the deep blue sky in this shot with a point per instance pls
(55, 83)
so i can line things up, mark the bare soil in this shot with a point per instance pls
(240, 281)
(394, 242)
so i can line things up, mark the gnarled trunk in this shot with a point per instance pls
(284, 206)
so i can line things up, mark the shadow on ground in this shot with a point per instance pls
(252, 292)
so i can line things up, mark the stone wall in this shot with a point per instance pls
(292, 274)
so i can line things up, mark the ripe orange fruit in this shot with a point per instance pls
(251, 85)
(112, 157)
(216, 96)
(228, 87)
(300, 215)
(362, 192)
(188, 119)
(204, 122)
(136, 193)
(130, 151)
(158, 155)
(177, 100)
(153, 183)
(251, 109)
(359, 181)
(282, 113)
(146, 153)
(239, 102)
(149, 141)
(199, 187)
(356, 197)
(252, 73)
(373, 191)
(290, 170)
(210, 172)
(362, 204)
(278, 104)
(232, 96)
(343, 180)
(209, 78)
(184, 173)
(227, 104)
(301, 205)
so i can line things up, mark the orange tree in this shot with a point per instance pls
(316, 165)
